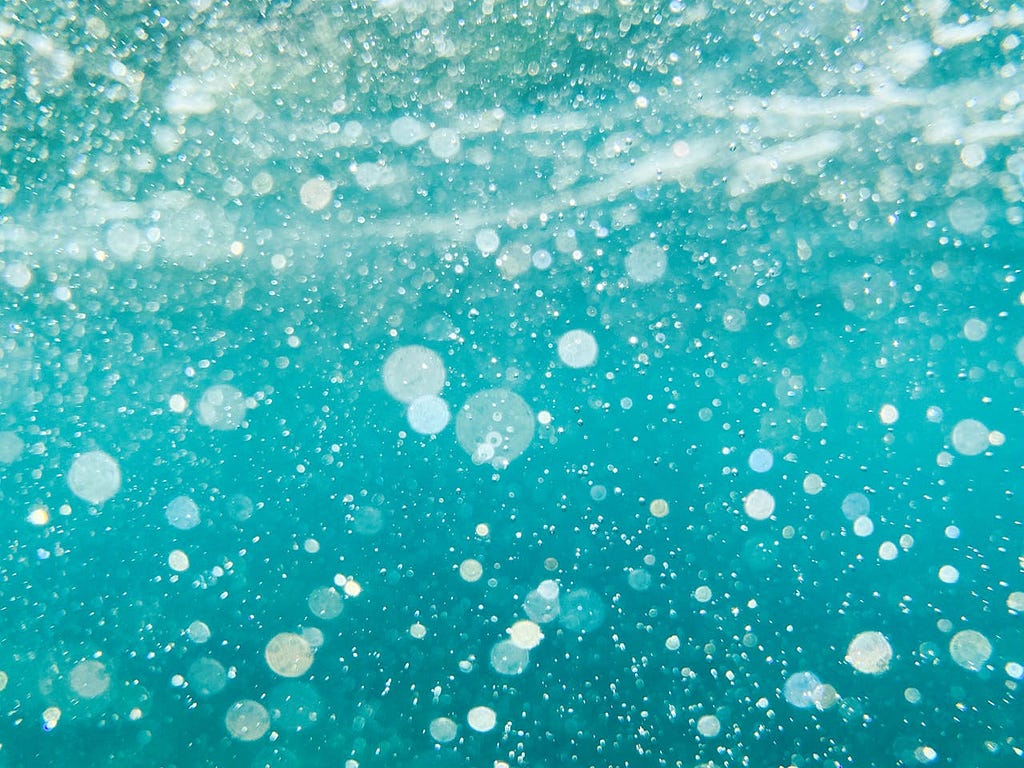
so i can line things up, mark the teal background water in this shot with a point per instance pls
(838, 194)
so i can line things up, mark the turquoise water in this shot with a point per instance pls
(511, 384)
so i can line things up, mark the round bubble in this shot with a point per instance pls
(11, 447)
(123, 240)
(89, 679)
(207, 677)
(289, 654)
(967, 215)
(646, 262)
(413, 371)
(709, 726)
(221, 407)
(481, 719)
(855, 505)
(471, 569)
(507, 658)
(182, 513)
(541, 607)
(759, 504)
(367, 521)
(870, 653)
(428, 415)
(198, 632)
(407, 131)
(240, 507)
(444, 144)
(525, 634)
(316, 193)
(325, 603)
(970, 649)
(443, 729)
(760, 460)
(582, 610)
(494, 427)
(803, 690)
(577, 349)
(94, 477)
(970, 437)
(247, 720)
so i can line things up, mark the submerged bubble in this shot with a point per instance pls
(182, 513)
(289, 654)
(94, 476)
(870, 653)
(443, 729)
(316, 193)
(709, 726)
(507, 658)
(577, 349)
(482, 719)
(803, 690)
(759, 504)
(970, 649)
(494, 427)
(542, 605)
(222, 407)
(428, 415)
(970, 437)
(412, 372)
(444, 144)
(247, 720)
(581, 610)
(646, 262)
(11, 447)
(760, 460)
(207, 677)
(407, 131)
(325, 603)
(90, 679)
(525, 634)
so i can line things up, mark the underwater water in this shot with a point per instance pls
(493, 384)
